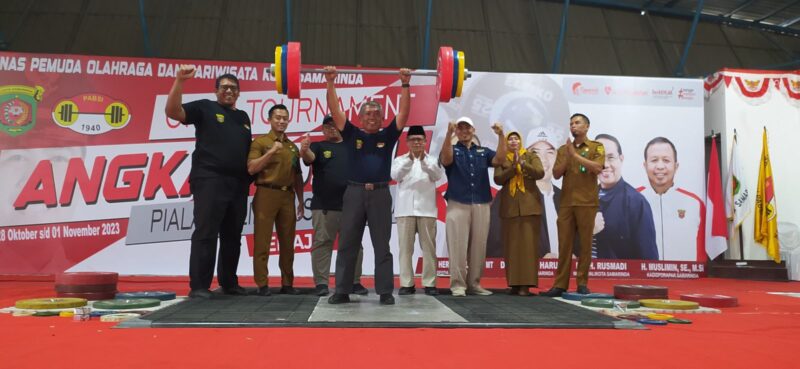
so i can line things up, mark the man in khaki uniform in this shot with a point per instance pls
(274, 158)
(579, 161)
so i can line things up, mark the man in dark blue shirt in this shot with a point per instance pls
(629, 231)
(367, 198)
(218, 180)
(468, 201)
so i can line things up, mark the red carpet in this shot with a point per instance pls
(761, 333)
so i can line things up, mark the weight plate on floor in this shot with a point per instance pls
(126, 304)
(634, 317)
(656, 316)
(91, 296)
(159, 295)
(93, 278)
(652, 321)
(50, 303)
(119, 317)
(46, 313)
(679, 321)
(608, 303)
(714, 301)
(573, 296)
(669, 304)
(653, 292)
(83, 288)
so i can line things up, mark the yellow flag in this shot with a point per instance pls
(766, 215)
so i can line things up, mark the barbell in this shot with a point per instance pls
(450, 71)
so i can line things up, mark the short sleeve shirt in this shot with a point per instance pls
(468, 174)
(330, 174)
(222, 139)
(282, 166)
(579, 186)
(370, 155)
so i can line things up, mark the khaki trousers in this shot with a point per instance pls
(407, 229)
(273, 208)
(326, 229)
(467, 230)
(574, 220)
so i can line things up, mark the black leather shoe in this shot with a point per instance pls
(264, 291)
(322, 290)
(583, 290)
(338, 298)
(289, 290)
(200, 294)
(553, 292)
(431, 291)
(407, 290)
(387, 299)
(359, 289)
(235, 290)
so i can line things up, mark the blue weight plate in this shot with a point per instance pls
(652, 321)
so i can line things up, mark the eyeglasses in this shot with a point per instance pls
(415, 139)
(229, 87)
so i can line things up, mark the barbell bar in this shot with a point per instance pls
(450, 71)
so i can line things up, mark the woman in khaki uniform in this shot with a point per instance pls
(520, 214)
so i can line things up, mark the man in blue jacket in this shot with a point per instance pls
(629, 231)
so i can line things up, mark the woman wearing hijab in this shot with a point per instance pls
(520, 214)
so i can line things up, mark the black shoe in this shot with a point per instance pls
(289, 290)
(235, 290)
(359, 289)
(583, 290)
(322, 290)
(200, 294)
(338, 298)
(264, 291)
(407, 290)
(553, 292)
(431, 291)
(387, 299)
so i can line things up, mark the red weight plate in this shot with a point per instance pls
(640, 290)
(640, 297)
(444, 69)
(93, 296)
(714, 301)
(87, 278)
(293, 59)
(83, 288)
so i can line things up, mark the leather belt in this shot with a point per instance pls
(370, 186)
(276, 187)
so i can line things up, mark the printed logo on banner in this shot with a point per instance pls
(663, 93)
(18, 108)
(579, 89)
(91, 114)
(686, 94)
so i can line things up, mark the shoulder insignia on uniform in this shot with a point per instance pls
(220, 118)
(327, 154)
(601, 150)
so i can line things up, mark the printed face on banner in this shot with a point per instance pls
(661, 166)
(547, 154)
(612, 171)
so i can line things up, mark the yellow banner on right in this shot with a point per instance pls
(766, 214)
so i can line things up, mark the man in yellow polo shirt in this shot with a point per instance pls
(275, 160)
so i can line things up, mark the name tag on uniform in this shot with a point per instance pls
(480, 150)
(380, 145)
(220, 118)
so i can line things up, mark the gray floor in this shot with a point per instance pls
(443, 311)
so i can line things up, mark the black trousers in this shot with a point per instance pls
(360, 207)
(220, 209)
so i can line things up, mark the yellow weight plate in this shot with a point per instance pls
(660, 316)
(669, 304)
(278, 82)
(50, 303)
(461, 67)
